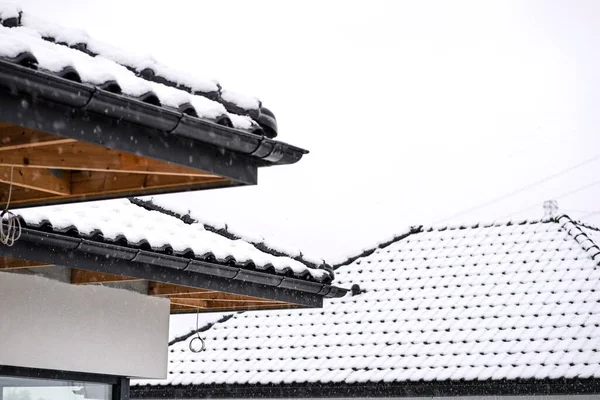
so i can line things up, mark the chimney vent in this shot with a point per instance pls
(550, 209)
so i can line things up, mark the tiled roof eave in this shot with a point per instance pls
(67, 97)
(76, 252)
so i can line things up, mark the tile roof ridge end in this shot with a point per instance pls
(261, 246)
(440, 228)
(412, 230)
(574, 230)
(151, 206)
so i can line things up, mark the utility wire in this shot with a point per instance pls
(561, 196)
(590, 214)
(521, 189)
(569, 210)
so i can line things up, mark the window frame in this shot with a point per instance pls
(119, 384)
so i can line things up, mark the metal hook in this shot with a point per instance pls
(192, 349)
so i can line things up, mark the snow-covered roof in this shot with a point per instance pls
(124, 223)
(72, 54)
(503, 301)
(268, 245)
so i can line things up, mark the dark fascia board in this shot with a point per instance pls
(80, 253)
(503, 387)
(47, 102)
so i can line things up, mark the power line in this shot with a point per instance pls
(561, 196)
(569, 210)
(521, 189)
(590, 214)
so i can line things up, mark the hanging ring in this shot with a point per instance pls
(195, 350)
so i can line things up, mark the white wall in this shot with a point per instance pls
(53, 325)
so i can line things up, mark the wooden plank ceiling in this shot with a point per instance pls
(45, 168)
(184, 299)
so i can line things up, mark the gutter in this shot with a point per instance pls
(104, 257)
(93, 99)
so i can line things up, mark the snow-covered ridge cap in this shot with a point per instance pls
(73, 54)
(444, 228)
(581, 237)
(223, 230)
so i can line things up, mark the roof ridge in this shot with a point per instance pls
(369, 251)
(440, 228)
(262, 246)
(587, 225)
(586, 243)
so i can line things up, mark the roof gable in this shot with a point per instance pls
(499, 301)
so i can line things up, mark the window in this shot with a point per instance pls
(13, 388)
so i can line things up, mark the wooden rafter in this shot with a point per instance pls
(91, 184)
(166, 289)
(7, 263)
(82, 277)
(224, 304)
(189, 308)
(184, 298)
(44, 168)
(17, 138)
(89, 157)
(42, 180)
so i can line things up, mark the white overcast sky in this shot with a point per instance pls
(413, 110)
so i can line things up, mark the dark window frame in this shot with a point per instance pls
(120, 384)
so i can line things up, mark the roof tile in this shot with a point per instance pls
(57, 49)
(159, 232)
(499, 301)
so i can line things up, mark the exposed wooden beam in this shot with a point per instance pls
(224, 304)
(83, 277)
(165, 289)
(14, 137)
(216, 296)
(18, 263)
(89, 157)
(177, 298)
(180, 308)
(108, 182)
(98, 184)
(38, 179)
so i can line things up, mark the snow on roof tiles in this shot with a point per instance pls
(498, 301)
(122, 221)
(268, 245)
(57, 49)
